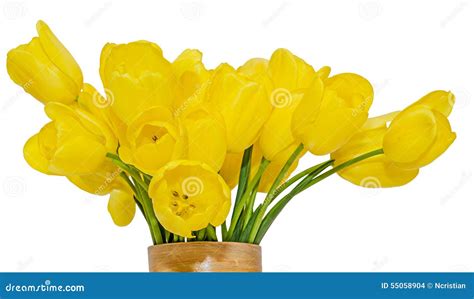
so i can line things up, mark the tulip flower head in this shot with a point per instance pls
(421, 132)
(154, 138)
(377, 171)
(331, 111)
(136, 77)
(188, 196)
(243, 104)
(45, 68)
(73, 143)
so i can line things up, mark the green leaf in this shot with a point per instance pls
(246, 233)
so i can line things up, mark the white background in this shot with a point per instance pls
(405, 48)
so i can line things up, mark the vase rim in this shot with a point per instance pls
(205, 242)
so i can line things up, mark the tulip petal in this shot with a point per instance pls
(206, 141)
(289, 71)
(243, 105)
(59, 55)
(444, 138)
(29, 68)
(411, 133)
(308, 109)
(190, 73)
(79, 155)
(378, 172)
(148, 90)
(34, 157)
(121, 207)
(276, 134)
(439, 100)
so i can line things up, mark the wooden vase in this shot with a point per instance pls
(205, 257)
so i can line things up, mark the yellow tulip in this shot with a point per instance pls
(190, 73)
(121, 207)
(284, 71)
(285, 77)
(154, 138)
(206, 135)
(73, 143)
(256, 69)
(331, 112)
(289, 71)
(93, 102)
(377, 171)
(45, 68)
(243, 104)
(136, 77)
(187, 196)
(421, 132)
(276, 135)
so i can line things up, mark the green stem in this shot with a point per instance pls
(342, 166)
(148, 209)
(248, 210)
(244, 174)
(201, 234)
(271, 193)
(245, 168)
(223, 231)
(240, 205)
(303, 185)
(301, 174)
(211, 233)
(141, 192)
(129, 169)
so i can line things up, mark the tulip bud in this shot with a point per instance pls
(136, 77)
(45, 68)
(377, 171)
(73, 143)
(190, 73)
(243, 104)
(331, 111)
(421, 132)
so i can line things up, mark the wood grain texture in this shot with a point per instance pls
(205, 257)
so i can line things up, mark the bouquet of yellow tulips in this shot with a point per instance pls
(174, 138)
